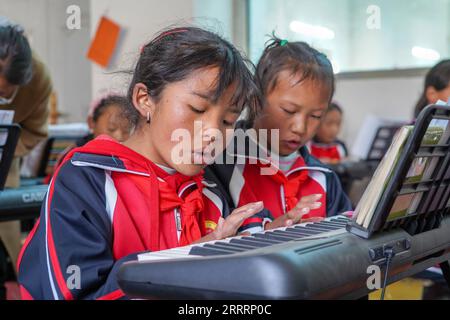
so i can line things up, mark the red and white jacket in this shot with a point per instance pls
(241, 178)
(332, 151)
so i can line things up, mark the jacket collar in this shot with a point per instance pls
(263, 155)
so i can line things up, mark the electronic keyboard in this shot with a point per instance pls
(22, 203)
(307, 261)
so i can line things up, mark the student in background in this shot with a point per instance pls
(297, 85)
(325, 146)
(25, 87)
(437, 86)
(107, 116)
(109, 201)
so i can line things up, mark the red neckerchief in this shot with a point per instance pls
(190, 206)
(292, 183)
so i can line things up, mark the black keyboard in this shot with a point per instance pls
(309, 261)
(21, 203)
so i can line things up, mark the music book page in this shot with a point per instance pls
(371, 197)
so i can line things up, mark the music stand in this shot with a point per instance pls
(381, 142)
(434, 191)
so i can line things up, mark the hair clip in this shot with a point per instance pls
(283, 42)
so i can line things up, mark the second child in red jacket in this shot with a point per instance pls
(297, 85)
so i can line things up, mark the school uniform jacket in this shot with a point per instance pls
(333, 151)
(240, 175)
(105, 204)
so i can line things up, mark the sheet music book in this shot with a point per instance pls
(422, 169)
(367, 205)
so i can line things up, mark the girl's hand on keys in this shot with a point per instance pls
(228, 227)
(294, 216)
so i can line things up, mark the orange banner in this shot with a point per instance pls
(105, 42)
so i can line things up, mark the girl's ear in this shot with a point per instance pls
(142, 101)
(431, 94)
(91, 123)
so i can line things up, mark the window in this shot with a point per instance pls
(358, 35)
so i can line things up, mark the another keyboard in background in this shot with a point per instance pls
(22, 203)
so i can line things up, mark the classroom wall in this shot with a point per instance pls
(390, 96)
(140, 19)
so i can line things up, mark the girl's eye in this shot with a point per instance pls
(318, 117)
(288, 111)
(199, 111)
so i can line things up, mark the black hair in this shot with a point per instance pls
(297, 57)
(15, 55)
(334, 106)
(439, 78)
(108, 101)
(175, 53)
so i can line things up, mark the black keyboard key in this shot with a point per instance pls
(342, 225)
(202, 251)
(300, 232)
(315, 227)
(329, 223)
(332, 227)
(233, 245)
(230, 249)
(324, 226)
(292, 235)
(251, 242)
(266, 239)
(338, 221)
(271, 236)
(309, 230)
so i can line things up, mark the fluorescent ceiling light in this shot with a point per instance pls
(311, 30)
(425, 53)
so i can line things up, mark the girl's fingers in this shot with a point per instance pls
(297, 213)
(310, 205)
(252, 210)
(309, 199)
(250, 207)
(241, 214)
(220, 223)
